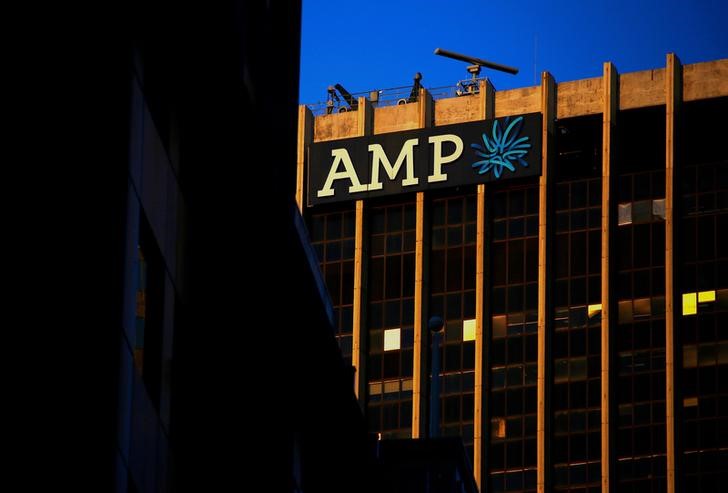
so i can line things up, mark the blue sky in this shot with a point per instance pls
(368, 45)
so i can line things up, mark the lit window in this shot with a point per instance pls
(690, 305)
(625, 214)
(642, 307)
(690, 402)
(705, 296)
(375, 388)
(392, 339)
(594, 309)
(406, 385)
(469, 330)
(499, 326)
(499, 427)
(390, 387)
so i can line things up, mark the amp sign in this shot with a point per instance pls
(428, 158)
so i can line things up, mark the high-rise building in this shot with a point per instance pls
(572, 236)
(170, 344)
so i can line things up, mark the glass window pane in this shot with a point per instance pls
(642, 308)
(499, 378)
(624, 214)
(438, 213)
(390, 387)
(499, 326)
(455, 211)
(578, 369)
(392, 339)
(561, 370)
(689, 304)
(469, 330)
(690, 356)
(642, 211)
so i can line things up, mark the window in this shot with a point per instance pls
(332, 237)
(704, 275)
(469, 330)
(452, 296)
(390, 318)
(576, 317)
(640, 290)
(512, 299)
(392, 339)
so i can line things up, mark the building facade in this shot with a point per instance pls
(175, 315)
(585, 301)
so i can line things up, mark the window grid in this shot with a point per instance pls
(452, 288)
(576, 340)
(640, 340)
(332, 237)
(514, 339)
(391, 306)
(705, 333)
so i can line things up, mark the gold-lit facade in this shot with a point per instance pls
(586, 309)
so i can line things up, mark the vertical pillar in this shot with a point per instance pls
(358, 350)
(305, 137)
(610, 101)
(419, 366)
(487, 110)
(548, 115)
(673, 98)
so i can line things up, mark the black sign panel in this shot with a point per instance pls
(424, 159)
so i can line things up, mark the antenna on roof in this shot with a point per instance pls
(470, 87)
(476, 62)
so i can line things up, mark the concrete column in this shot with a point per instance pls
(673, 99)
(548, 115)
(305, 137)
(610, 100)
(480, 442)
(419, 366)
(359, 346)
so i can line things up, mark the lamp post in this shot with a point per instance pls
(435, 325)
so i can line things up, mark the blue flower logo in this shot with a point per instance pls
(503, 149)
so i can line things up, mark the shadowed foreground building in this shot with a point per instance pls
(167, 103)
(578, 256)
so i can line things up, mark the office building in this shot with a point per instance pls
(572, 237)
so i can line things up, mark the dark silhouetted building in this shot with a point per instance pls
(192, 321)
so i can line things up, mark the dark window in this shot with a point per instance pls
(702, 313)
(332, 236)
(390, 319)
(640, 341)
(452, 297)
(576, 301)
(512, 302)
